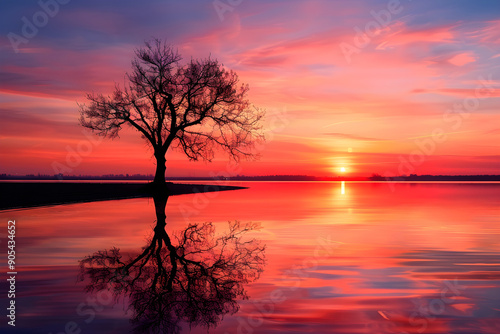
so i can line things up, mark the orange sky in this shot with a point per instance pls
(419, 94)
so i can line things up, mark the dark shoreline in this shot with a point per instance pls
(32, 194)
(149, 178)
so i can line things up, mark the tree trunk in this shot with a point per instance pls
(160, 168)
(160, 200)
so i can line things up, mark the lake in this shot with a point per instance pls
(340, 257)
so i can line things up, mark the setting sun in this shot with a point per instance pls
(198, 161)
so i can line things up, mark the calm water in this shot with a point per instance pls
(341, 258)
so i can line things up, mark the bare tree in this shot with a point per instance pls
(194, 277)
(195, 107)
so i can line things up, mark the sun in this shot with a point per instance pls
(343, 169)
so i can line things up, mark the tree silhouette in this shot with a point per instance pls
(195, 107)
(194, 277)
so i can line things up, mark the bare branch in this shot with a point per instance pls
(198, 107)
(196, 281)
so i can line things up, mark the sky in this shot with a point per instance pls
(350, 87)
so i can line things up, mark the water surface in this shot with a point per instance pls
(341, 258)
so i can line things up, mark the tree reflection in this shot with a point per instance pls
(193, 276)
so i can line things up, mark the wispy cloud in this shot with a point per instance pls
(398, 86)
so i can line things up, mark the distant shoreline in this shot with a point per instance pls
(147, 178)
(19, 195)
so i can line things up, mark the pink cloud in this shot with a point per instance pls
(462, 92)
(462, 59)
(400, 34)
(488, 35)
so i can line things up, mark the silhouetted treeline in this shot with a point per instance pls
(374, 177)
(177, 178)
(415, 177)
(76, 177)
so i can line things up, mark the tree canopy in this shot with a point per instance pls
(196, 107)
